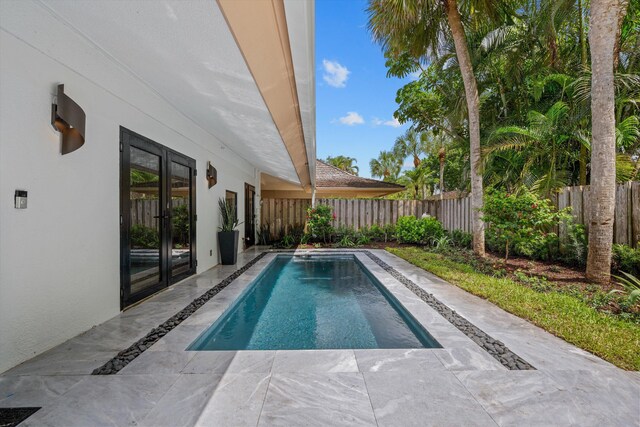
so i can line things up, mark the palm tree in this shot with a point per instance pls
(409, 145)
(420, 26)
(436, 144)
(542, 154)
(606, 17)
(386, 166)
(416, 179)
(344, 163)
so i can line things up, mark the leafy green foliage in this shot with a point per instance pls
(143, 237)
(319, 222)
(573, 245)
(180, 223)
(631, 285)
(460, 239)
(531, 63)
(344, 163)
(229, 218)
(626, 258)
(521, 223)
(346, 241)
(410, 229)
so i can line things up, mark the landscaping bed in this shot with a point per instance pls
(562, 303)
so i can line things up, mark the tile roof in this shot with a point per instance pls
(329, 176)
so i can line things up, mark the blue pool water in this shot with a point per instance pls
(318, 302)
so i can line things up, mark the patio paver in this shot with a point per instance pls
(459, 384)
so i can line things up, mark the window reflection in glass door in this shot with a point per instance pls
(145, 224)
(180, 219)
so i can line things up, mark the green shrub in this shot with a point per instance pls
(180, 223)
(376, 233)
(340, 232)
(362, 239)
(264, 234)
(626, 259)
(461, 239)
(319, 222)
(573, 246)
(522, 223)
(389, 232)
(410, 229)
(305, 238)
(143, 237)
(346, 241)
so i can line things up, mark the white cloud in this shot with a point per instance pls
(393, 122)
(415, 75)
(335, 74)
(352, 118)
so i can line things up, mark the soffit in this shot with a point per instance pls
(184, 51)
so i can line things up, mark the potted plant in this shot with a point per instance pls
(227, 234)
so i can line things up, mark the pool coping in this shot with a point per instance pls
(449, 328)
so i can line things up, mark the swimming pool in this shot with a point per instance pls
(315, 302)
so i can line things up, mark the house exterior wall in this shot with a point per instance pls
(59, 258)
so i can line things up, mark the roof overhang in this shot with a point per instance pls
(261, 31)
(187, 55)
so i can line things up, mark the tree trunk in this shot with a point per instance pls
(441, 157)
(616, 49)
(604, 20)
(583, 61)
(473, 107)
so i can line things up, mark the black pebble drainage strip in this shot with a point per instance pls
(125, 357)
(11, 417)
(495, 348)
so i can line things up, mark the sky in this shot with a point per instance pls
(355, 100)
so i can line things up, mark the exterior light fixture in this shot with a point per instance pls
(212, 175)
(69, 119)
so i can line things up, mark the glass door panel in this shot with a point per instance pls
(157, 217)
(180, 194)
(145, 222)
(249, 214)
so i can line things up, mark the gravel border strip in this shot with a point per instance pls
(127, 355)
(495, 348)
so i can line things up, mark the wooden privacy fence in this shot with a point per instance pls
(626, 226)
(283, 214)
(455, 214)
(143, 211)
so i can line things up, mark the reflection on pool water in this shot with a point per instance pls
(316, 302)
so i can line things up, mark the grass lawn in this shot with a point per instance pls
(565, 316)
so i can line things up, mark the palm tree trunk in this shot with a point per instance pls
(473, 107)
(583, 60)
(604, 21)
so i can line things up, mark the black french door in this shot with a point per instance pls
(157, 217)
(249, 215)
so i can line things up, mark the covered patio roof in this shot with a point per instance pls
(245, 78)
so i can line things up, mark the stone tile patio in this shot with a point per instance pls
(460, 384)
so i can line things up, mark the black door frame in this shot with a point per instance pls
(249, 217)
(129, 138)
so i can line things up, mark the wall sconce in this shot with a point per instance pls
(212, 175)
(68, 118)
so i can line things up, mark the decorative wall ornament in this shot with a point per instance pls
(68, 118)
(212, 175)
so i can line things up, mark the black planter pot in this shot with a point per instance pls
(228, 245)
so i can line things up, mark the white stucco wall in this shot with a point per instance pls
(59, 259)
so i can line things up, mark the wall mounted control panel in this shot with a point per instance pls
(20, 199)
